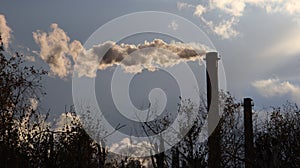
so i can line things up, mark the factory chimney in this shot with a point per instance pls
(214, 147)
(248, 132)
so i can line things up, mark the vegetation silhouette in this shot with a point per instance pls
(28, 140)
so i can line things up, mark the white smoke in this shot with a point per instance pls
(135, 58)
(59, 53)
(5, 31)
(55, 48)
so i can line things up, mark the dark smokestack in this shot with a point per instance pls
(248, 131)
(214, 148)
(175, 157)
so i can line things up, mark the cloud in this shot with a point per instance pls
(67, 121)
(127, 147)
(55, 49)
(132, 149)
(290, 7)
(34, 103)
(173, 25)
(5, 31)
(231, 7)
(30, 58)
(276, 87)
(237, 7)
(59, 53)
(199, 10)
(234, 10)
(288, 45)
(183, 5)
(224, 29)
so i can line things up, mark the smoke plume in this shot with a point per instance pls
(55, 49)
(5, 31)
(59, 53)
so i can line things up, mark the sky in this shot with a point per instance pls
(258, 42)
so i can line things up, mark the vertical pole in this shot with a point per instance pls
(214, 147)
(248, 132)
(175, 157)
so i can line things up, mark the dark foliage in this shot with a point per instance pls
(27, 140)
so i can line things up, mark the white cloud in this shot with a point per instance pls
(67, 121)
(5, 31)
(276, 87)
(173, 25)
(30, 58)
(237, 7)
(290, 7)
(223, 29)
(132, 150)
(127, 147)
(232, 7)
(55, 47)
(34, 103)
(234, 10)
(199, 10)
(183, 5)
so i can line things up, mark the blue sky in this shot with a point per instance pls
(258, 40)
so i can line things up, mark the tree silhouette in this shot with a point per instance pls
(19, 85)
(28, 140)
